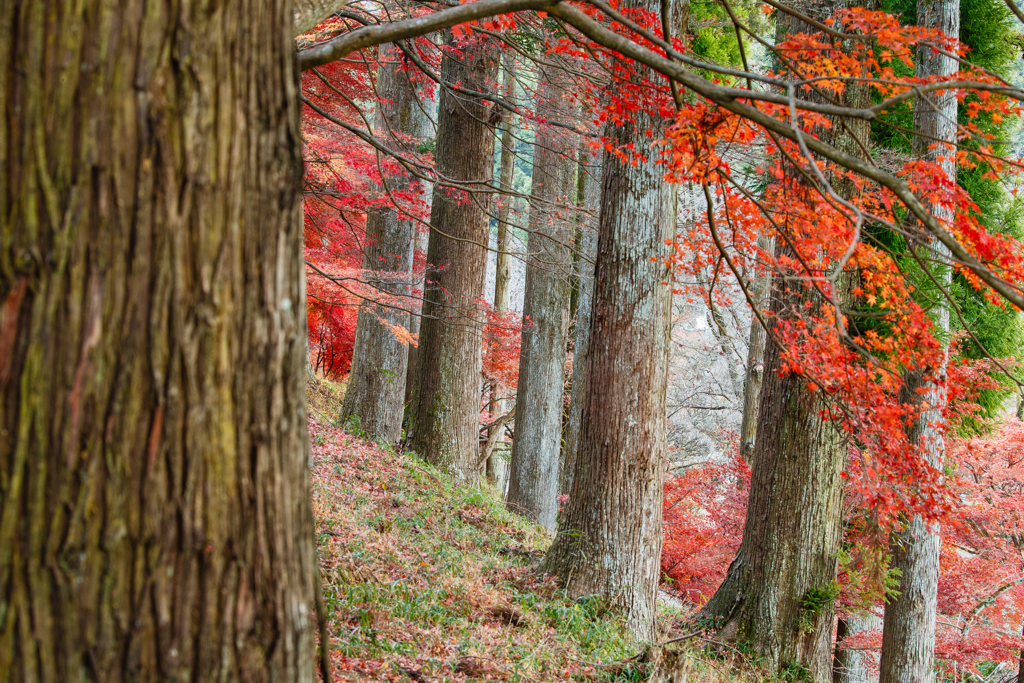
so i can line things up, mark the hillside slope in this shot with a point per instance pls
(427, 580)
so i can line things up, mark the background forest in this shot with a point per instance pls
(539, 219)
(642, 340)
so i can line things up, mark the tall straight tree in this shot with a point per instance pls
(496, 468)
(155, 519)
(533, 473)
(589, 200)
(793, 526)
(608, 541)
(754, 371)
(376, 386)
(908, 630)
(447, 398)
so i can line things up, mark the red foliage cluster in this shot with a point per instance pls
(343, 183)
(503, 335)
(859, 363)
(705, 507)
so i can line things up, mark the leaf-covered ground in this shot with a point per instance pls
(427, 580)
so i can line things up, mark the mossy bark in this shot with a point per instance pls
(155, 521)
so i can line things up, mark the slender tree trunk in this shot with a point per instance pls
(155, 521)
(376, 385)
(908, 633)
(447, 408)
(1020, 664)
(777, 595)
(609, 537)
(503, 259)
(533, 472)
(754, 373)
(497, 468)
(589, 198)
(855, 666)
(415, 321)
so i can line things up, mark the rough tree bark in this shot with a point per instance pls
(609, 536)
(376, 385)
(589, 199)
(533, 471)
(155, 521)
(447, 404)
(776, 595)
(793, 525)
(908, 632)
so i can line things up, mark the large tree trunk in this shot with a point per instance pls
(447, 407)
(778, 595)
(589, 198)
(376, 386)
(908, 633)
(533, 473)
(793, 525)
(154, 487)
(609, 537)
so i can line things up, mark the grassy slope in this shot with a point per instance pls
(426, 580)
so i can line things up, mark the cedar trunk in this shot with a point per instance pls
(609, 536)
(155, 521)
(589, 196)
(793, 526)
(376, 387)
(908, 632)
(533, 473)
(447, 407)
(775, 595)
(754, 372)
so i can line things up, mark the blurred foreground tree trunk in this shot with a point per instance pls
(155, 518)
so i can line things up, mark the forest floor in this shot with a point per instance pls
(429, 580)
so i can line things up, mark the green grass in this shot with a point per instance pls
(429, 580)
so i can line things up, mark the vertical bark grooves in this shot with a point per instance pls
(376, 385)
(533, 474)
(154, 510)
(447, 407)
(908, 631)
(590, 195)
(788, 557)
(609, 536)
(792, 531)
